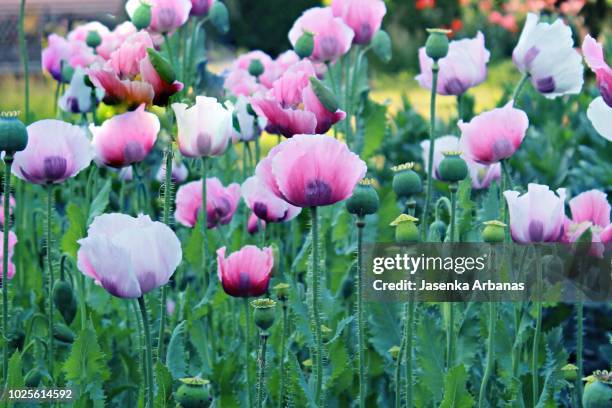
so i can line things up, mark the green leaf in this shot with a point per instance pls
(456, 394)
(193, 248)
(76, 229)
(99, 203)
(375, 116)
(15, 372)
(163, 379)
(176, 357)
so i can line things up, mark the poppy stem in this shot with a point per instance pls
(519, 88)
(247, 348)
(536, 337)
(317, 350)
(490, 355)
(204, 226)
(24, 59)
(281, 392)
(450, 335)
(50, 356)
(263, 341)
(148, 351)
(432, 140)
(398, 367)
(579, 347)
(409, 330)
(360, 322)
(8, 162)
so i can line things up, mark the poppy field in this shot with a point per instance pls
(177, 237)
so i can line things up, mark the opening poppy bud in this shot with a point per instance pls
(194, 393)
(394, 351)
(142, 16)
(282, 291)
(570, 372)
(324, 94)
(63, 333)
(381, 43)
(304, 45)
(494, 231)
(219, 17)
(64, 300)
(162, 66)
(436, 46)
(93, 39)
(406, 230)
(256, 68)
(265, 311)
(33, 377)
(437, 229)
(364, 200)
(406, 181)
(67, 72)
(13, 133)
(598, 390)
(452, 168)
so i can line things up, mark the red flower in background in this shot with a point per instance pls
(425, 4)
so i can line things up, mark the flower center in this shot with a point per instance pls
(502, 149)
(536, 231)
(546, 85)
(133, 152)
(54, 167)
(318, 192)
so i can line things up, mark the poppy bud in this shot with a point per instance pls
(304, 45)
(324, 94)
(219, 17)
(348, 287)
(438, 227)
(381, 43)
(162, 66)
(13, 133)
(264, 313)
(93, 39)
(142, 16)
(193, 393)
(494, 231)
(33, 377)
(65, 300)
(67, 72)
(364, 200)
(256, 68)
(598, 390)
(452, 168)
(406, 181)
(436, 46)
(405, 228)
(63, 333)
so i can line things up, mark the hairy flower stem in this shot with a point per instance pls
(166, 219)
(432, 140)
(449, 306)
(360, 322)
(579, 347)
(247, 349)
(24, 59)
(283, 353)
(148, 352)
(519, 88)
(409, 333)
(536, 337)
(8, 162)
(314, 306)
(261, 361)
(398, 372)
(490, 355)
(204, 215)
(50, 355)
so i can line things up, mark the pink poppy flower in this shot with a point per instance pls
(506, 21)
(179, 172)
(125, 139)
(332, 37)
(364, 17)
(464, 67)
(291, 106)
(11, 207)
(311, 170)
(125, 60)
(117, 91)
(244, 60)
(494, 135)
(600, 110)
(240, 83)
(56, 52)
(590, 211)
(55, 151)
(79, 97)
(114, 40)
(12, 240)
(166, 15)
(129, 256)
(247, 272)
(536, 216)
(204, 129)
(221, 202)
(265, 204)
(481, 175)
(201, 7)
(254, 223)
(81, 32)
(279, 66)
(161, 89)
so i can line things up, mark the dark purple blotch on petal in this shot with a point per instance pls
(133, 152)
(73, 104)
(454, 86)
(365, 33)
(545, 85)
(328, 47)
(536, 231)
(54, 168)
(204, 143)
(317, 192)
(530, 56)
(147, 281)
(261, 210)
(502, 149)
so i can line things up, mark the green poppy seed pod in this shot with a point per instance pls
(406, 181)
(162, 66)
(93, 39)
(219, 16)
(13, 133)
(282, 291)
(597, 394)
(265, 312)
(406, 230)
(33, 377)
(364, 200)
(64, 300)
(394, 351)
(381, 43)
(324, 94)
(304, 45)
(256, 68)
(570, 372)
(193, 393)
(63, 333)
(142, 16)
(494, 231)
(452, 168)
(436, 46)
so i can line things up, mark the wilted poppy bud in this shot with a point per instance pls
(381, 43)
(142, 16)
(265, 311)
(364, 200)
(304, 45)
(324, 94)
(394, 351)
(406, 181)
(13, 133)
(436, 46)
(162, 66)
(256, 68)
(93, 39)
(405, 228)
(452, 168)
(494, 231)
(193, 393)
